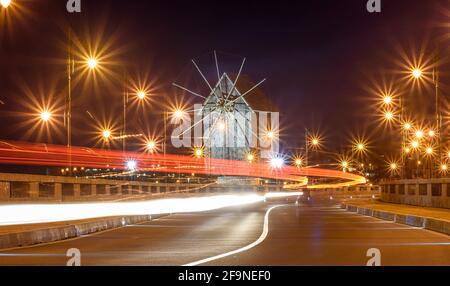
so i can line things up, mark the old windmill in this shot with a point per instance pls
(231, 122)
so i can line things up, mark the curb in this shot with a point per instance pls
(442, 226)
(53, 234)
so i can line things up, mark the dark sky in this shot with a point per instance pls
(317, 55)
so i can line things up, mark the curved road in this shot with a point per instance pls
(316, 233)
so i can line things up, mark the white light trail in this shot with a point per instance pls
(283, 195)
(21, 214)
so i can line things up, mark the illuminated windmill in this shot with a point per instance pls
(229, 118)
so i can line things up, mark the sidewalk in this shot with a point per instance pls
(429, 218)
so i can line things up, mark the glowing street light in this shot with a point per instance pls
(298, 162)
(250, 157)
(5, 3)
(444, 167)
(419, 134)
(415, 144)
(417, 73)
(389, 116)
(360, 147)
(277, 162)
(92, 63)
(270, 134)
(393, 166)
(151, 146)
(345, 164)
(45, 116)
(407, 150)
(131, 165)
(178, 114)
(407, 126)
(141, 94)
(431, 133)
(429, 151)
(387, 99)
(106, 134)
(198, 152)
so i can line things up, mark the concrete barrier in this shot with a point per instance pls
(438, 225)
(432, 224)
(363, 211)
(384, 215)
(52, 234)
(414, 221)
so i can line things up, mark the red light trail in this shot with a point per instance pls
(33, 154)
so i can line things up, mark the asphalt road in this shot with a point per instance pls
(316, 233)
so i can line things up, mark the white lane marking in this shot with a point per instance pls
(245, 248)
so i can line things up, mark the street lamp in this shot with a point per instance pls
(415, 144)
(5, 3)
(178, 114)
(106, 134)
(45, 116)
(277, 162)
(387, 99)
(141, 94)
(407, 126)
(393, 166)
(92, 63)
(360, 147)
(250, 158)
(345, 164)
(131, 165)
(151, 146)
(389, 116)
(417, 73)
(419, 134)
(198, 152)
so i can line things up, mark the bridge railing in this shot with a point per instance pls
(418, 192)
(38, 188)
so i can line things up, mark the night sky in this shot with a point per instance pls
(319, 57)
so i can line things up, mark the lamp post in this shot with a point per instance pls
(5, 3)
(310, 141)
(125, 103)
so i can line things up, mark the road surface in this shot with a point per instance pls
(313, 233)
